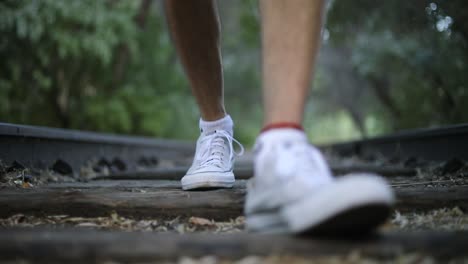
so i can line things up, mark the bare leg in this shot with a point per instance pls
(290, 41)
(291, 30)
(195, 31)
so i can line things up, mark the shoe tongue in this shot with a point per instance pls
(218, 142)
(216, 148)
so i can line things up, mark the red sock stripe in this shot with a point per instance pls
(282, 125)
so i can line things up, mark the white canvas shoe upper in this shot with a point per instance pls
(285, 163)
(215, 153)
(213, 162)
(293, 189)
(286, 154)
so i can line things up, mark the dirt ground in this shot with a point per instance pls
(446, 219)
(433, 175)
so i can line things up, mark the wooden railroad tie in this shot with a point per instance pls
(166, 199)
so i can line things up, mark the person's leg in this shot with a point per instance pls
(196, 31)
(290, 40)
(293, 189)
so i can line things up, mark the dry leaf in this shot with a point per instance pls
(114, 216)
(87, 224)
(26, 185)
(57, 216)
(18, 182)
(201, 221)
(75, 219)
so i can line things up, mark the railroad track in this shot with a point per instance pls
(438, 144)
(136, 212)
(68, 151)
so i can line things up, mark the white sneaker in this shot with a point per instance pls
(293, 191)
(213, 164)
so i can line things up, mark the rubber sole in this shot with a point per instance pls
(207, 181)
(268, 223)
(352, 205)
(357, 221)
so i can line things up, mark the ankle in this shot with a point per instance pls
(214, 116)
(226, 123)
(282, 125)
(272, 137)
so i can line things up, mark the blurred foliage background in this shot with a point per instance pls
(110, 66)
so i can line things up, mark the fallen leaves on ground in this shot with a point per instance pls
(351, 258)
(439, 219)
(117, 222)
(449, 219)
(201, 221)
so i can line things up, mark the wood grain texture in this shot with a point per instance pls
(166, 199)
(161, 202)
(89, 245)
(246, 172)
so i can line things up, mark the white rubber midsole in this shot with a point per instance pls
(342, 195)
(272, 222)
(208, 180)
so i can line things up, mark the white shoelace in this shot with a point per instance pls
(215, 145)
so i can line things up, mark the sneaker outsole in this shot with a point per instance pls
(352, 204)
(207, 181)
(207, 186)
(337, 210)
(357, 221)
(267, 223)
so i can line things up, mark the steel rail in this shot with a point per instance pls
(432, 144)
(69, 150)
